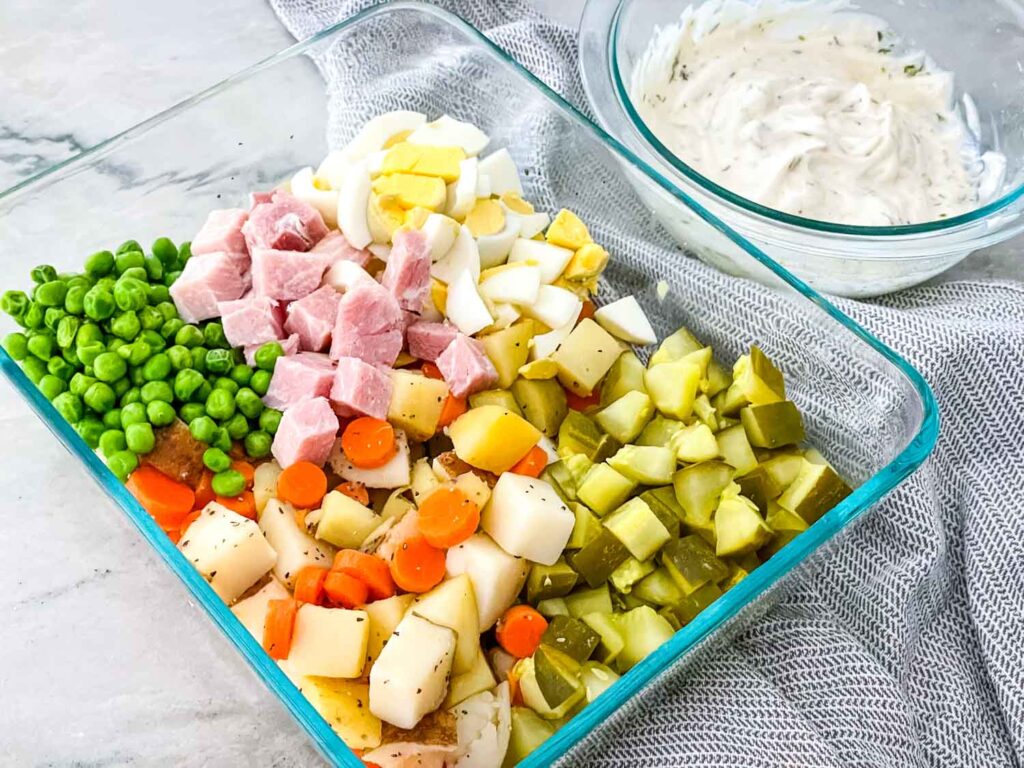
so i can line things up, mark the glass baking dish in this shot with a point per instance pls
(875, 420)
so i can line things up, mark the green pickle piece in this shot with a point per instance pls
(699, 487)
(586, 528)
(596, 678)
(572, 637)
(625, 375)
(644, 464)
(739, 527)
(638, 528)
(673, 387)
(579, 434)
(598, 559)
(547, 581)
(584, 601)
(553, 606)
(533, 696)
(781, 519)
(687, 609)
(658, 587)
(500, 397)
(644, 631)
(557, 676)
(542, 402)
(676, 346)
(611, 640)
(659, 431)
(604, 489)
(557, 475)
(772, 425)
(815, 490)
(735, 450)
(529, 731)
(629, 573)
(760, 487)
(694, 443)
(664, 505)
(778, 541)
(692, 563)
(627, 416)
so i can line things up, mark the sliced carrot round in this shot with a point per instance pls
(204, 491)
(369, 443)
(417, 566)
(302, 484)
(355, 491)
(309, 584)
(369, 569)
(447, 517)
(519, 631)
(245, 505)
(451, 410)
(246, 469)
(533, 463)
(277, 629)
(167, 500)
(345, 590)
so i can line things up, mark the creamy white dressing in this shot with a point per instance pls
(805, 108)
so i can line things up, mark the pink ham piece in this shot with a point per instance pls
(222, 232)
(360, 389)
(289, 345)
(286, 275)
(407, 274)
(251, 320)
(369, 325)
(259, 198)
(306, 433)
(206, 280)
(428, 340)
(299, 377)
(335, 247)
(466, 367)
(284, 224)
(312, 318)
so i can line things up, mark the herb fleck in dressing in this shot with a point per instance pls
(805, 108)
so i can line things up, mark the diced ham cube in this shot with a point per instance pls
(251, 320)
(299, 377)
(222, 232)
(428, 340)
(286, 275)
(346, 275)
(407, 274)
(306, 433)
(284, 224)
(335, 247)
(205, 281)
(312, 318)
(360, 389)
(466, 367)
(258, 198)
(369, 326)
(289, 345)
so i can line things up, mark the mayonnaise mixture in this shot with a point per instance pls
(805, 108)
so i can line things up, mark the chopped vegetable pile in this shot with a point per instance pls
(379, 412)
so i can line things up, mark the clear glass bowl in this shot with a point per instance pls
(162, 176)
(844, 260)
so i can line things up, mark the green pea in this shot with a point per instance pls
(201, 394)
(80, 383)
(220, 404)
(44, 273)
(90, 428)
(135, 273)
(216, 460)
(124, 260)
(155, 341)
(219, 361)
(157, 368)
(99, 264)
(14, 303)
(69, 406)
(71, 355)
(98, 303)
(237, 426)
(266, 356)
(74, 301)
(34, 369)
(88, 353)
(122, 464)
(114, 344)
(203, 429)
(53, 316)
(228, 483)
(164, 249)
(112, 418)
(241, 374)
(140, 437)
(136, 353)
(131, 395)
(199, 358)
(186, 382)
(170, 277)
(222, 440)
(214, 335)
(88, 332)
(121, 386)
(160, 413)
(52, 293)
(179, 357)
(260, 382)
(188, 336)
(249, 403)
(168, 310)
(257, 444)
(100, 397)
(109, 366)
(130, 293)
(228, 385)
(34, 316)
(154, 268)
(41, 345)
(133, 413)
(270, 420)
(190, 411)
(151, 319)
(60, 368)
(126, 325)
(185, 251)
(51, 386)
(158, 294)
(157, 390)
(16, 345)
(67, 331)
(112, 441)
(129, 245)
(106, 283)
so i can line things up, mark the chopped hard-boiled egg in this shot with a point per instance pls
(463, 256)
(317, 192)
(532, 224)
(446, 131)
(376, 134)
(501, 169)
(568, 231)
(440, 231)
(465, 309)
(517, 283)
(494, 246)
(555, 307)
(410, 190)
(486, 217)
(544, 345)
(550, 258)
(353, 205)
(424, 160)
(625, 319)
(385, 215)
(462, 194)
(504, 315)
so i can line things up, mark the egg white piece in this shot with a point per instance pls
(501, 169)
(375, 133)
(465, 309)
(532, 224)
(544, 345)
(462, 193)
(324, 200)
(353, 198)
(483, 185)
(494, 249)
(554, 306)
(504, 315)
(335, 168)
(551, 259)
(446, 131)
(440, 231)
(375, 162)
(512, 285)
(463, 256)
(625, 319)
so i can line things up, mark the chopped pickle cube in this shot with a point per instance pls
(781, 519)
(578, 466)
(546, 581)
(543, 403)
(739, 527)
(675, 347)
(814, 491)
(626, 417)
(735, 450)
(529, 731)
(782, 467)
(694, 444)
(625, 375)
(686, 610)
(659, 431)
(585, 356)
(658, 588)
(598, 559)
(557, 676)
(558, 477)
(778, 541)
(629, 573)
(705, 411)
(664, 504)
(759, 487)
(584, 601)
(645, 464)
(718, 379)
(673, 387)
(605, 625)
(554, 606)
(578, 434)
(644, 632)
(596, 678)
(603, 489)
(772, 425)
(586, 528)
(638, 528)
(533, 696)
(692, 563)
(572, 637)
(756, 381)
(699, 487)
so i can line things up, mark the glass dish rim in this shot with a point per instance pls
(332, 748)
(817, 226)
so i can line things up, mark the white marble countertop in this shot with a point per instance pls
(103, 660)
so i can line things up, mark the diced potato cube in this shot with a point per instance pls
(329, 641)
(295, 548)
